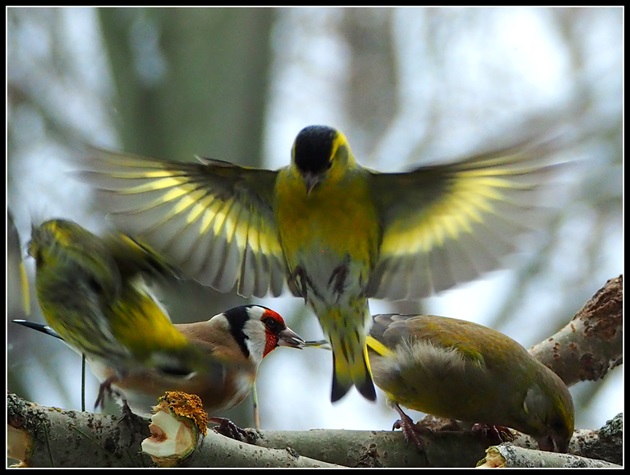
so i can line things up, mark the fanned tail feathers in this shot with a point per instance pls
(350, 372)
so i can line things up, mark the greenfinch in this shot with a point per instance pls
(336, 232)
(239, 338)
(461, 370)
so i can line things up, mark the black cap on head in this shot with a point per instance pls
(313, 147)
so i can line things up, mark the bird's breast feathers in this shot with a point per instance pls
(329, 233)
(219, 388)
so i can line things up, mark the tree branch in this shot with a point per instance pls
(41, 436)
(591, 343)
(511, 456)
(49, 437)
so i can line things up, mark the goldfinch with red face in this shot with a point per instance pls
(461, 370)
(338, 233)
(236, 341)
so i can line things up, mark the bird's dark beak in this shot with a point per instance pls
(311, 180)
(561, 444)
(562, 447)
(288, 337)
(550, 443)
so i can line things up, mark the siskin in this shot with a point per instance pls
(93, 294)
(338, 233)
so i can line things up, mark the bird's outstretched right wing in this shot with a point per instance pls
(213, 219)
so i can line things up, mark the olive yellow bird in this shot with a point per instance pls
(461, 370)
(93, 293)
(237, 339)
(338, 233)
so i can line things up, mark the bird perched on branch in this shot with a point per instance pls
(236, 341)
(93, 294)
(461, 370)
(337, 232)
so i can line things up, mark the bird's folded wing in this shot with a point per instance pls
(213, 219)
(446, 224)
(434, 340)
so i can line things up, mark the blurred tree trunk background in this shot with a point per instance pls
(197, 86)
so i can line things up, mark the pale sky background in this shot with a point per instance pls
(307, 88)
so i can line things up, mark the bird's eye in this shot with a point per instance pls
(94, 285)
(273, 325)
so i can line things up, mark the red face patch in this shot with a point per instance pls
(274, 324)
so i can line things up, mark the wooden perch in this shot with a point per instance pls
(587, 348)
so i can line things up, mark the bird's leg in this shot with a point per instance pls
(126, 410)
(338, 278)
(106, 387)
(299, 279)
(493, 433)
(411, 431)
(227, 428)
(255, 405)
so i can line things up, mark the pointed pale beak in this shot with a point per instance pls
(323, 344)
(288, 337)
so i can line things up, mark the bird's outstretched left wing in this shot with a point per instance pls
(446, 224)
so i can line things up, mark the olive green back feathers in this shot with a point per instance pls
(92, 292)
(461, 370)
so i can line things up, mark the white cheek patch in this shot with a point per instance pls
(256, 339)
(255, 312)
